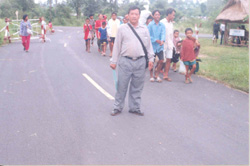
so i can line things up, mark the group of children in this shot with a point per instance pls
(186, 50)
(88, 36)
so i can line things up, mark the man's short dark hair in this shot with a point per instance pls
(104, 23)
(170, 11)
(134, 8)
(176, 31)
(24, 16)
(153, 13)
(114, 13)
(87, 18)
(91, 15)
(188, 29)
(150, 17)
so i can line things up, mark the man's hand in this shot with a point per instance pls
(162, 42)
(113, 66)
(158, 41)
(150, 65)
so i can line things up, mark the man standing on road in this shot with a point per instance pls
(113, 26)
(169, 44)
(157, 32)
(132, 63)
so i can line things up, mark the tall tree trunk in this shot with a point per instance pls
(56, 6)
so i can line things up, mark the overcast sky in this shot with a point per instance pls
(44, 1)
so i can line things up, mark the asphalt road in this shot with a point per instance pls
(51, 114)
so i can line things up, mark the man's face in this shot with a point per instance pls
(100, 17)
(126, 16)
(176, 34)
(125, 21)
(157, 16)
(189, 34)
(91, 17)
(26, 18)
(87, 21)
(171, 16)
(113, 16)
(134, 16)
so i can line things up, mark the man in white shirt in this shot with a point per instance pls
(113, 25)
(169, 44)
(222, 31)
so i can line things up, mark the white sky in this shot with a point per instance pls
(44, 1)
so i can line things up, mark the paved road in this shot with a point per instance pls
(51, 114)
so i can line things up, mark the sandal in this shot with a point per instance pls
(158, 79)
(152, 79)
(167, 79)
(190, 80)
(186, 81)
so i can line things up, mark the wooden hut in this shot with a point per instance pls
(235, 11)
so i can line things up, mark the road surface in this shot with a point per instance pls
(52, 114)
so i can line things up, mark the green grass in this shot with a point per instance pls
(227, 64)
(2, 24)
(206, 28)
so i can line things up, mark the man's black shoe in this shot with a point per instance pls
(138, 112)
(115, 112)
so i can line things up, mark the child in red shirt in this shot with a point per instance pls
(87, 34)
(188, 54)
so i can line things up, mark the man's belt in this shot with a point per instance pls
(133, 58)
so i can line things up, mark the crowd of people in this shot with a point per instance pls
(165, 40)
(136, 46)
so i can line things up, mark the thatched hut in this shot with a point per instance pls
(235, 11)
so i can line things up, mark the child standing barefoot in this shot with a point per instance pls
(87, 34)
(187, 54)
(103, 38)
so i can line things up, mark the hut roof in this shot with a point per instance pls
(235, 11)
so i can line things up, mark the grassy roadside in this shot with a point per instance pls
(227, 64)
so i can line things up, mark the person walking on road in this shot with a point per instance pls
(25, 32)
(169, 44)
(43, 28)
(98, 24)
(104, 37)
(133, 56)
(188, 54)
(157, 32)
(177, 50)
(92, 23)
(87, 34)
(113, 25)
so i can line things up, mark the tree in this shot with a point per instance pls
(77, 6)
(123, 8)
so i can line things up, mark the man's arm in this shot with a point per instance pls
(163, 34)
(21, 29)
(149, 48)
(116, 49)
(109, 28)
(152, 38)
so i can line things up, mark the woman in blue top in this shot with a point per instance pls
(104, 37)
(25, 32)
